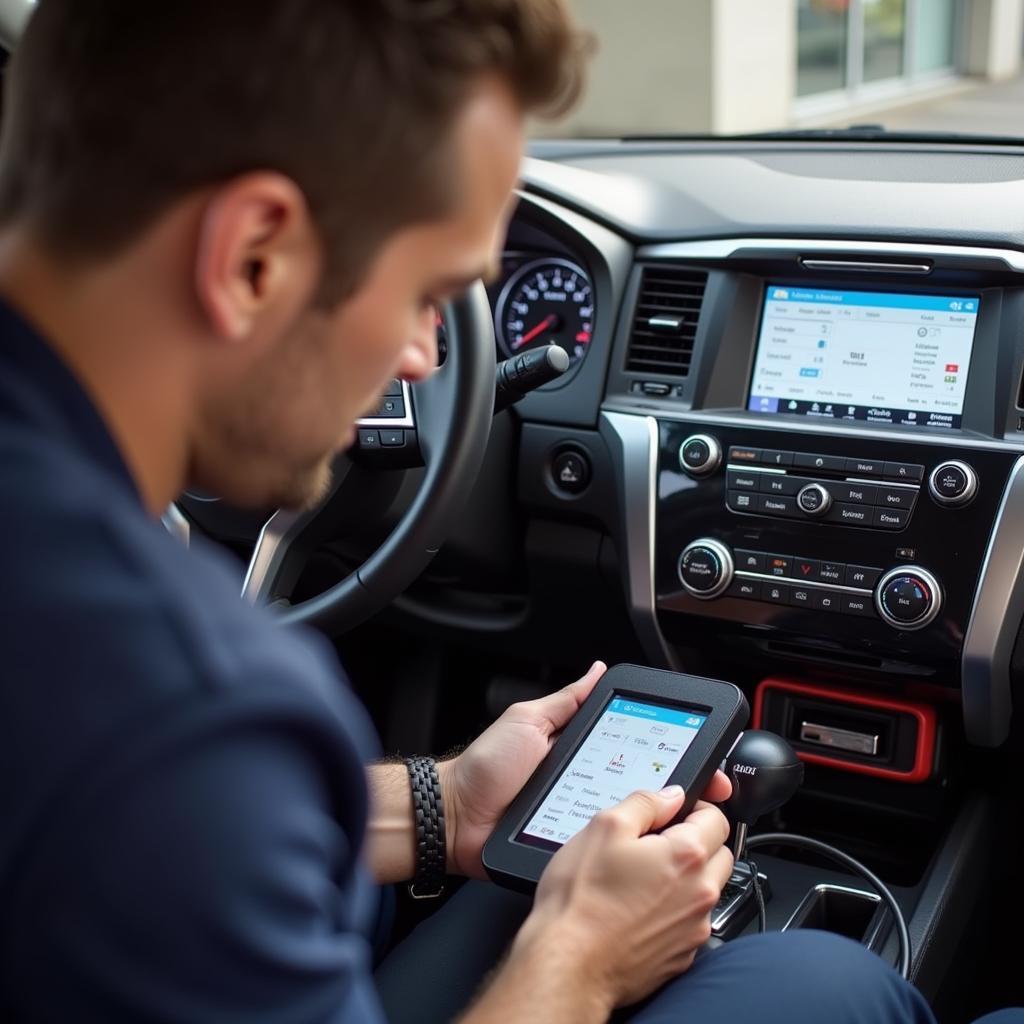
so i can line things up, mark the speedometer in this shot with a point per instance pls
(546, 302)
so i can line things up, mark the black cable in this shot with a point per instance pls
(762, 916)
(831, 853)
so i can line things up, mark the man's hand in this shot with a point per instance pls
(485, 778)
(619, 911)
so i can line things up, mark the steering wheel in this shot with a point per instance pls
(451, 412)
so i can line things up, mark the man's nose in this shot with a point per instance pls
(419, 358)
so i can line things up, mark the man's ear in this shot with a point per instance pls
(257, 255)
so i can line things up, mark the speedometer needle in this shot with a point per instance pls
(549, 321)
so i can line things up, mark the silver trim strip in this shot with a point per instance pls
(868, 266)
(726, 248)
(262, 568)
(759, 421)
(994, 622)
(793, 581)
(176, 524)
(374, 423)
(633, 443)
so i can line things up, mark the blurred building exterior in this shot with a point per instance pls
(726, 66)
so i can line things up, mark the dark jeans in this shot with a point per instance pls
(801, 977)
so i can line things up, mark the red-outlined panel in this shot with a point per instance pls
(923, 713)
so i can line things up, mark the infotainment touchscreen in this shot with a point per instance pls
(633, 745)
(881, 357)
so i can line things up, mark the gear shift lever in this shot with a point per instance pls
(765, 773)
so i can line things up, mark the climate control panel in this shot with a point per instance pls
(867, 548)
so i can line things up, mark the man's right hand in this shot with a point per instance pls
(634, 905)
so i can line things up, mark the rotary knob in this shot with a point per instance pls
(953, 483)
(814, 500)
(908, 597)
(700, 455)
(705, 568)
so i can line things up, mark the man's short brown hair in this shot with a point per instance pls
(115, 108)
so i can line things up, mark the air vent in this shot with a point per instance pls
(665, 321)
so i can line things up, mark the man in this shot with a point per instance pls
(224, 227)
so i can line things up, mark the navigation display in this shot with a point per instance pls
(633, 745)
(879, 357)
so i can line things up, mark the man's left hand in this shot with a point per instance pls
(486, 777)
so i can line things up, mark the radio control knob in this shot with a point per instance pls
(953, 483)
(705, 568)
(700, 455)
(908, 597)
(814, 500)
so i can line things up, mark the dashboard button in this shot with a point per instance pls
(953, 483)
(908, 471)
(393, 389)
(857, 604)
(776, 483)
(852, 515)
(775, 593)
(740, 501)
(829, 463)
(749, 561)
(854, 494)
(863, 576)
(737, 480)
(908, 597)
(895, 497)
(700, 455)
(814, 500)
(749, 589)
(832, 572)
(776, 505)
(805, 569)
(777, 565)
(826, 600)
(774, 458)
(737, 453)
(570, 471)
(891, 518)
(865, 467)
(389, 408)
(801, 597)
(705, 568)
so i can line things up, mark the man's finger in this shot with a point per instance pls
(706, 827)
(553, 712)
(643, 810)
(719, 789)
(720, 867)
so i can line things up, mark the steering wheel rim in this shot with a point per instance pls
(453, 411)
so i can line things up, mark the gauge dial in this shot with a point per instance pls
(546, 302)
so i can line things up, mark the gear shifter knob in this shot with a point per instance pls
(764, 772)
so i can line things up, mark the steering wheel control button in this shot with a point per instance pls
(906, 472)
(571, 472)
(953, 484)
(814, 500)
(392, 438)
(705, 568)
(394, 389)
(369, 439)
(700, 455)
(908, 597)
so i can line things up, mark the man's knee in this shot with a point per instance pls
(791, 977)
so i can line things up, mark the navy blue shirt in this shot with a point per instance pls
(182, 787)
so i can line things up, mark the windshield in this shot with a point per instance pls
(739, 67)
